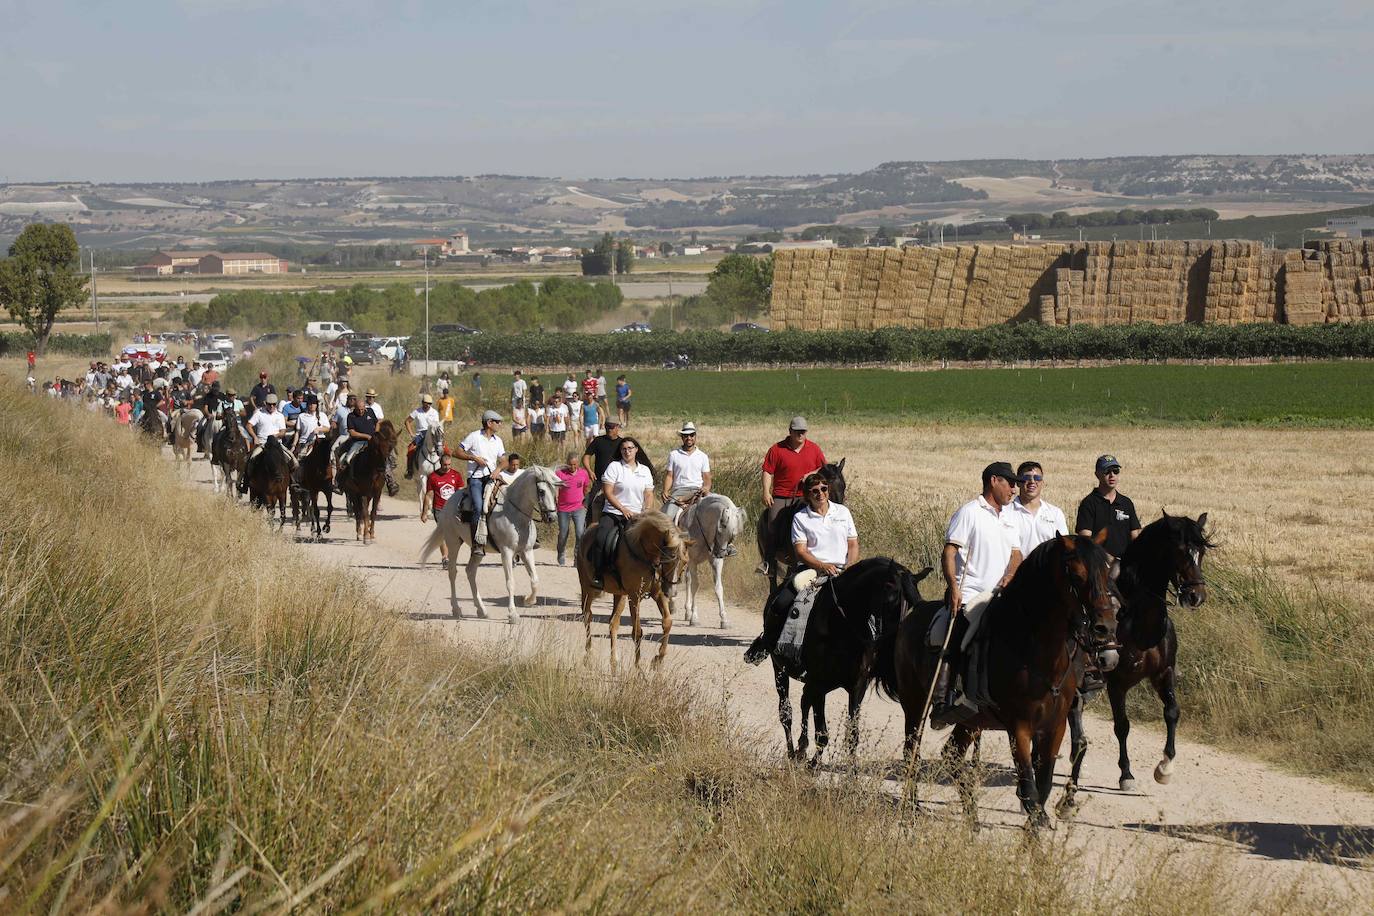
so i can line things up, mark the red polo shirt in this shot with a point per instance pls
(789, 467)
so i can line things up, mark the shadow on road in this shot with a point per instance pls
(1329, 844)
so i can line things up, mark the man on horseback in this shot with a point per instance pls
(826, 542)
(420, 420)
(359, 428)
(688, 475)
(267, 422)
(1036, 520)
(483, 449)
(787, 462)
(982, 551)
(1106, 507)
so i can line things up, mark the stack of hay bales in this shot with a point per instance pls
(1232, 282)
(1302, 289)
(784, 308)
(1345, 262)
(885, 308)
(819, 296)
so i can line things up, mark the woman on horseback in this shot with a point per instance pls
(628, 485)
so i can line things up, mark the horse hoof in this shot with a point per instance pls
(512, 619)
(481, 613)
(723, 622)
(1164, 771)
(1128, 785)
(692, 621)
(1069, 806)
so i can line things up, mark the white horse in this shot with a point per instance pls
(427, 458)
(711, 525)
(510, 529)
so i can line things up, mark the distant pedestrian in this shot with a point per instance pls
(623, 393)
(591, 418)
(519, 420)
(536, 394)
(518, 388)
(572, 497)
(477, 385)
(536, 412)
(556, 418)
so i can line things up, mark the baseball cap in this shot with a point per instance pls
(262, 375)
(1107, 461)
(271, 399)
(232, 392)
(490, 415)
(798, 423)
(1000, 469)
(688, 429)
(427, 399)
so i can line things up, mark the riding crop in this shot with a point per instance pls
(930, 694)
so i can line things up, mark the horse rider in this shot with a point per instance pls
(309, 424)
(1036, 520)
(688, 473)
(292, 410)
(359, 428)
(1106, 507)
(981, 553)
(483, 449)
(596, 458)
(258, 396)
(628, 485)
(786, 463)
(826, 543)
(267, 421)
(418, 423)
(370, 398)
(339, 424)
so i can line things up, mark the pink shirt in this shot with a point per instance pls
(574, 490)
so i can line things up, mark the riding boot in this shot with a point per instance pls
(774, 618)
(479, 539)
(944, 692)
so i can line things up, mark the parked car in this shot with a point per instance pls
(343, 340)
(222, 342)
(452, 329)
(360, 349)
(326, 330)
(637, 327)
(212, 359)
(385, 347)
(748, 326)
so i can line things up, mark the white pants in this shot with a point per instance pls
(973, 610)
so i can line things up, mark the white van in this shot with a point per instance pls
(326, 330)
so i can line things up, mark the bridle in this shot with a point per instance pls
(665, 558)
(711, 542)
(546, 516)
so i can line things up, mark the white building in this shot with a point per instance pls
(1359, 227)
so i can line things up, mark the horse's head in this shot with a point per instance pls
(730, 521)
(546, 484)
(834, 476)
(385, 439)
(662, 546)
(1187, 545)
(1085, 574)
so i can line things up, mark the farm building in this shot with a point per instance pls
(164, 263)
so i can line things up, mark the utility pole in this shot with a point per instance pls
(426, 310)
(95, 297)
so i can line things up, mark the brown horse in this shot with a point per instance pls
(362, 481)
(312, 477)
(184, 423)
(1166, 555)
(1058, 608)
(269, 483)
(775, 540)
(228, 455)
(649, 560)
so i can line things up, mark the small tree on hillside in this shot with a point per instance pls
(625, 256)
(41, 277)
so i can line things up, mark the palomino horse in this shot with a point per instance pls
(711, 523)
(775, 541)
(184, 423)
(531, 497)
(649, 560)
(228, 455)
(426, 458)
(1059, 607)
(269, 484)
(849, 638)
(362, 481)
(1167, 554)
(311, 478)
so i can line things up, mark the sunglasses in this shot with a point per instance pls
(819, 490)
(1027, 478)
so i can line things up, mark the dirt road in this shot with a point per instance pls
(1272, 828)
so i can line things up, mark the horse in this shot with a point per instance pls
(531, 497)
(849, 637)
(269, 484)
(309, 480)
(362, 481)
(184, 423)
(711, 523)
(1167, 554)
(426, 458)
(1058, 607)
(775, 541)
(153, 425)
(228, 456)
(650, 558)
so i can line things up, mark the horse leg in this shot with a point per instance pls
(1045, 751)
(780, 682)
(1122, 726)
(508, 568)
(690, 586)
(617, 607)
(473, 562)
(527, 559)
(1163, 683)
(804, 736)
(964, 777)
(329, 505)
(454, 607)
(1068, 805)
(636, 627)
(817, 705)
(1025, 774)
(586, 618)
(665, 611)
(717, 571)
(851, 726)
(372, 517)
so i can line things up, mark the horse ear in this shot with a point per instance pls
(1066, 541)
(840, 467)
(1164, 512)
(1202, 521)
(1100, 538)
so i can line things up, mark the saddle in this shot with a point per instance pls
(972, 673)
(604, 549)
(805, 587)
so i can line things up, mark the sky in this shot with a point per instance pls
(187, 90)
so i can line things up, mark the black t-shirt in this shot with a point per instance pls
(603, 450)
(364, 423)
(1117, 516)
(151, 399)
(537, 394)
(260, 392)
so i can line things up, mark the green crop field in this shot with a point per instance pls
(1286, 394)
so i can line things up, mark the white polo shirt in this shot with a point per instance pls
(306, 425)
(489, 448)
(628, 484)
(1035, 528)
(424, 418)
(688, 468)
(826, 536)
(376, 409)
(985, 538)
(266, 425)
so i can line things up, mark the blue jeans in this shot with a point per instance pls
(577, 520)
(477, 486)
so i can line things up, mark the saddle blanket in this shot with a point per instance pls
(794, 629)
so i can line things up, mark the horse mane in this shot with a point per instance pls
(653, 522)
(1153, 540)
(1031, 582)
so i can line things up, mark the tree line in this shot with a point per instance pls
(1061, 219)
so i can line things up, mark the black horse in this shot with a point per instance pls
(311, 478)
(1167, 554)
(269, 481)
(849, 640)
(775, 540)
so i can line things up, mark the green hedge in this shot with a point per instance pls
(17, 343)
(1000, 343)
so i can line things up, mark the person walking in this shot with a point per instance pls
(623, 394)
(1107, 507)
(557, 419)
(591, 418)
(688, 473)
(518, 388)
(572, 503)
(440, 487)
(596, 458)
(601, 395)
(444, 405)
(1036, 520)
(536, 419)
(519, 421)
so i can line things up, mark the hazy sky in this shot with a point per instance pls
(199, 89)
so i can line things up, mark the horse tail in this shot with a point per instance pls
(885, 666)
(431, 543)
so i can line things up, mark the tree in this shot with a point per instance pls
(600, 260)
(625, 256)
(40, 278)
(740, 285)
(665, 248)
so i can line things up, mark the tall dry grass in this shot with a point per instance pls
(195, 717)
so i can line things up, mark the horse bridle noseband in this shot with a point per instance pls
(544, 514)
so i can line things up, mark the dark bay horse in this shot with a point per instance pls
(311, 478)
(1167, 554)
(1058, 608)
(775, 540)
(849, 639)
(269, 484)
(228, 455)
(364, 478)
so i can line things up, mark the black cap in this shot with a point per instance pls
(1000, 469)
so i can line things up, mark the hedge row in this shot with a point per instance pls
(17, 343)
(1000, 343)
